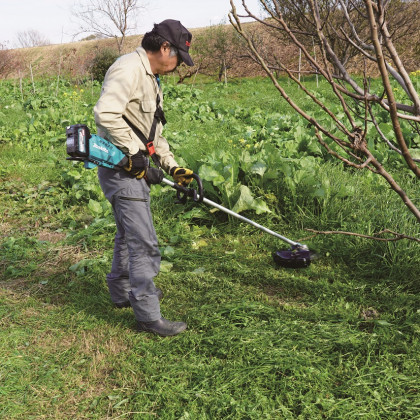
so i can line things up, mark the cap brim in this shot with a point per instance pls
(186, 58)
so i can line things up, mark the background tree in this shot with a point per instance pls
(31, 38)
(376, 119)
(102, 61)
(108, 18)
(221, 48)
(216, 49)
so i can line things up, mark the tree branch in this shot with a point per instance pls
(387, 85)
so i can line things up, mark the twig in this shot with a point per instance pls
(398, 236)
(59, 72)
(32, 77)
(384, 138)
(20, 85)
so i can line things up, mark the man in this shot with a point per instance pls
(128, 114)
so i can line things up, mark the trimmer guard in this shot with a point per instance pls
(293, 258)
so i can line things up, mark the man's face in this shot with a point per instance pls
(167, 63)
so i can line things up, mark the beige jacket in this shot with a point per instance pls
(130, 89)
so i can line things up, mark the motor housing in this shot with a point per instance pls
(77, 142)
(293, 258)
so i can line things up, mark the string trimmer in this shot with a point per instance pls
(97, 151)
(298, 256)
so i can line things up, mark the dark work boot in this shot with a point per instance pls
(127, 304)
(162, 327)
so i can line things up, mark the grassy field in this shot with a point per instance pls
(337, 340)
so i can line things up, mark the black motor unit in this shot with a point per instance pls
(77, 140)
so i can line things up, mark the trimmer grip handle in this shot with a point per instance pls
(182, 193)
(199, 195)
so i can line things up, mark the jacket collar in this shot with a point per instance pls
(145, 60)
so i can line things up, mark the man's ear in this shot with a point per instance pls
(165, 46)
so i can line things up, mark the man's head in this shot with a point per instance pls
(167, 45)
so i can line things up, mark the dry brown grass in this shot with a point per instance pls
(5, 229)
(52, 237)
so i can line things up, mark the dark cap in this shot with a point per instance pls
(178, 36)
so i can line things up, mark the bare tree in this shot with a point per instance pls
(108, 18)
(342, 30)
(31, 38)
(222, 48)
(215, 51)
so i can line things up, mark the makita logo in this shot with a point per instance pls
(104, 149)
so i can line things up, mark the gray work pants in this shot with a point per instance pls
(136, 259)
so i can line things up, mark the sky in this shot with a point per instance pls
(53, 18)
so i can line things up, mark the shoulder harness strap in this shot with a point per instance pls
(159, 117)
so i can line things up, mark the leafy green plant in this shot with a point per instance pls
(223, 174)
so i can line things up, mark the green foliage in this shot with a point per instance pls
(336, 340)
(103, 59)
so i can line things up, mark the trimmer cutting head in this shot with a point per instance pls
(296, 257)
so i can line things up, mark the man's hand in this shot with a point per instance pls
(137, 165)
(181, 176)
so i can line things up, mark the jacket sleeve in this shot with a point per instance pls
(166, 157)
(118, 87)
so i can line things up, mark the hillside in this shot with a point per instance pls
(74, 59)
(71, 59)
(214, 49)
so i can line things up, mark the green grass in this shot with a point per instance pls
(338, 340)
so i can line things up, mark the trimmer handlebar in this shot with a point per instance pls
(182, 192)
